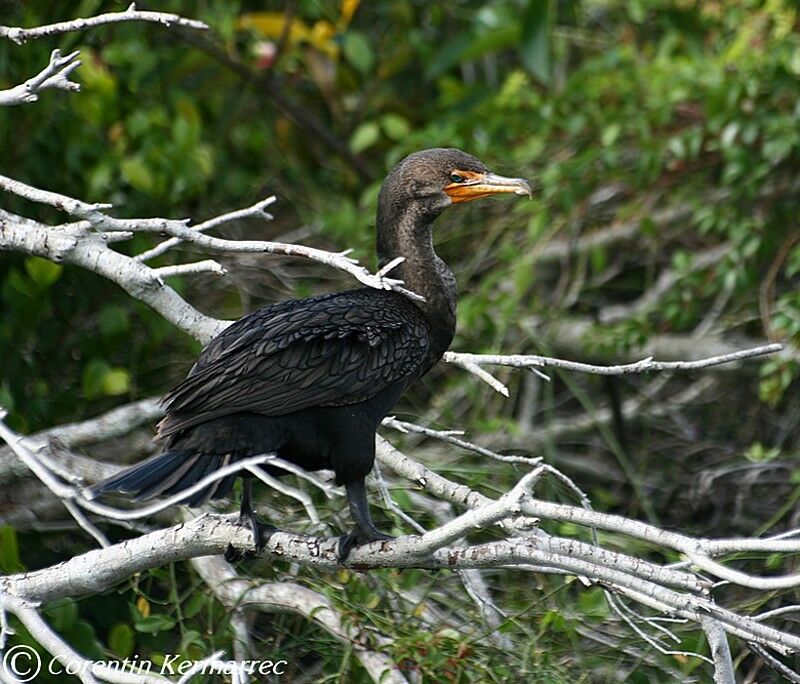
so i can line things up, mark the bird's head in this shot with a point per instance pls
(432, 180)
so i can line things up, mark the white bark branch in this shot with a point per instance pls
(235, 592)
(787, 673)
(472, 361)
(88, 672)
(257, 210)
(98, 570)
(89, 250)
(54, 75)
(115, 423)
(21, 35)
(720, 652)
(207, 266)
(87, 245)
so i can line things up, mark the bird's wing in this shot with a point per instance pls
(325, 351)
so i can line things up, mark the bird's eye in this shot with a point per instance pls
(455, 178)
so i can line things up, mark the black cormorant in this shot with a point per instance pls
(311, 379)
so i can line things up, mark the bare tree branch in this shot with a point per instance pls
(98, 570)
(720, 652)
(470, 361)
(114, 423)
(87, 671)
(21, 35)
(257, 210)
(234, 591)
(54, 75)
(787, 673)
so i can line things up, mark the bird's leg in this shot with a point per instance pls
(247, 516)
(365, 530)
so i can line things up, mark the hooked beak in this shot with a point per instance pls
(485, 184)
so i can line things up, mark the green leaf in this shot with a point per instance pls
(122, 640)
(366, 135)
(535, 41)
(194, 605)
(82, 636)
(610, 134)
(115, 381)
(598, 258)
(62, 613)
(153, 624)
(758, 453)
(43, 272)
(191, 638)
(137, 174)
(448, 55)
(113, 320)
(101, 379)
(469, 46)
(6, 398)
(358, 51)
(92, 376)
(395, 126)
(21, 284)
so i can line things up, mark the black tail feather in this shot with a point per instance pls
(167, 474)
(202, 467)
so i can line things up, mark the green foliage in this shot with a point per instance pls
(9, 551)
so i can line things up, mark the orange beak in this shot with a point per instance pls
(477, 185)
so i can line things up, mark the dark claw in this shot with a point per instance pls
(261, 531)
(261, 534)
(358, 537)
(233, 555)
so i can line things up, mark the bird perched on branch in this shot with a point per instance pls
(311, 379)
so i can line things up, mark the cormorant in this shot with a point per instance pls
(311, 379)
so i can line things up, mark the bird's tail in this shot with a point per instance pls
(167, 474)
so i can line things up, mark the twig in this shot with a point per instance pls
(777, 611)
(69, 493)
(449, 437)
(506, 506)
(619, 609)
(85, 524)
(390, 503)
(54, 75)
(212, 663)
(472, 367)
(473, 363)
(287, 490)
(115, 423)
(787, 673)
(78, 245)
(207, 266)
(21, 35)
(255, 210)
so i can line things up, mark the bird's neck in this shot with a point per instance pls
(409, 234)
